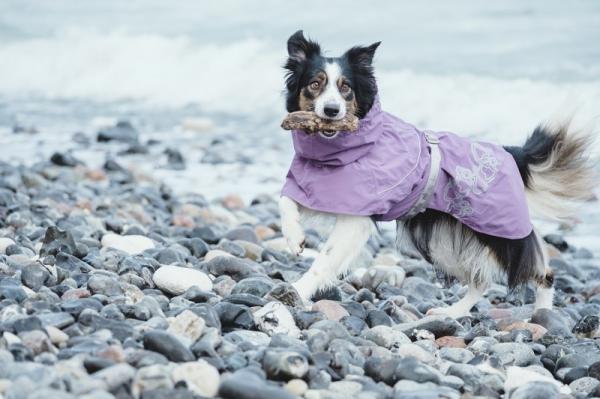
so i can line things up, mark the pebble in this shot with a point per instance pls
(168, 345)
(275, 318)
(248, 385)
(177, 280)
(387, 337)
(114, 285)
(200, 377)
(187, 326)
(131, 244)
(332, 310)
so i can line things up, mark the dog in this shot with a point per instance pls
(550, 174)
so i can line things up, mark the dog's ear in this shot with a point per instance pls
(300, 49)
(362, 55)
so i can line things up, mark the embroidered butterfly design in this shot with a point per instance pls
(471, 181)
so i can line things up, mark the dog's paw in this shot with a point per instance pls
(449, 311)
(377, 275)
(294, 235)
(304, 295)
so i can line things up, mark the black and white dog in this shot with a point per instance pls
(553, 165)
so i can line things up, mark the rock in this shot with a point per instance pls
(104, 285)
(440, 326)
(535, 390)
(286, 294)
(332, 310)
(244, 384)
(451, 342)
(115, 376)
(167, 345)
(557, 241)
(200, 377)
(5, 242)
(34, 276)
(415, 351)
(411, 369)
(56, 240)
(284, 364)
(255, 338)
(187, 327)
(587, 327)
(259, 286)
(37, 341)
(244, 233)
(584, 385)
(275, 318)
(175, 159)
(386, 336)
(456, 355)
(581, 359)
(151, 378)
(514, 354)
(296, 387)
(537, 331)
(64, 159)
(123, 131)
(236, 268)
(594, 370)
(377, 317)
(177, 280)
(131, 244)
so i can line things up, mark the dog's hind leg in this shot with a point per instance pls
(345, 242)
(544, 294)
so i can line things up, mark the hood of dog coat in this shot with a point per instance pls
(382, 169)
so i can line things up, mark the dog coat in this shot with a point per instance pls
(383, 171)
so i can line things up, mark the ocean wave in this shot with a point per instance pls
(245, 78)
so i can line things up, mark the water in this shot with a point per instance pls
(482, 69)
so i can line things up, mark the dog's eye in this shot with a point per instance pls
(315, 85)
(345, 88)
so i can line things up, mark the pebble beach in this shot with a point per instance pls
(114, 285)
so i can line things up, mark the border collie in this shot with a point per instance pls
(552, 170)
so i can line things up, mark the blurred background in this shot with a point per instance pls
(202, 81)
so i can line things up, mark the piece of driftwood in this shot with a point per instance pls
(311, 123)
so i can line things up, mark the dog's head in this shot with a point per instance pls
(331, 87)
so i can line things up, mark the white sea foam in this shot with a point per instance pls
(245, 78)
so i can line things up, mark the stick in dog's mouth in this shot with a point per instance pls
(311, 123)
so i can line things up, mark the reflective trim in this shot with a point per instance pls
(434, 170)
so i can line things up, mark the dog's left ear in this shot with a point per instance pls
(362, 55)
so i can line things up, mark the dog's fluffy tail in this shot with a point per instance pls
(557, 170)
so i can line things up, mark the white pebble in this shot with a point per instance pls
(133, 244)
(199, 376)
(4, 243)
(275, 318)
(177, 280)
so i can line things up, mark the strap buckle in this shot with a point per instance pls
(431, 137)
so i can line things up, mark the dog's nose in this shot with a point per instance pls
(331, 110)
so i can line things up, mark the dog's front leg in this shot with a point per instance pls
(345, 242)
(290, 224)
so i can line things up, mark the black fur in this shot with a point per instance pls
(305, 61)
(536, 150)
(519, 258)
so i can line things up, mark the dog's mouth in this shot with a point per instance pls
(328, 135)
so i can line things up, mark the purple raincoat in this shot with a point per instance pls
(382, 170)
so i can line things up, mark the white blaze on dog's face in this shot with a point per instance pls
(330, 104)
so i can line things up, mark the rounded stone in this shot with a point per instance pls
(131, 244)
(200, 377)
(176, 280)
